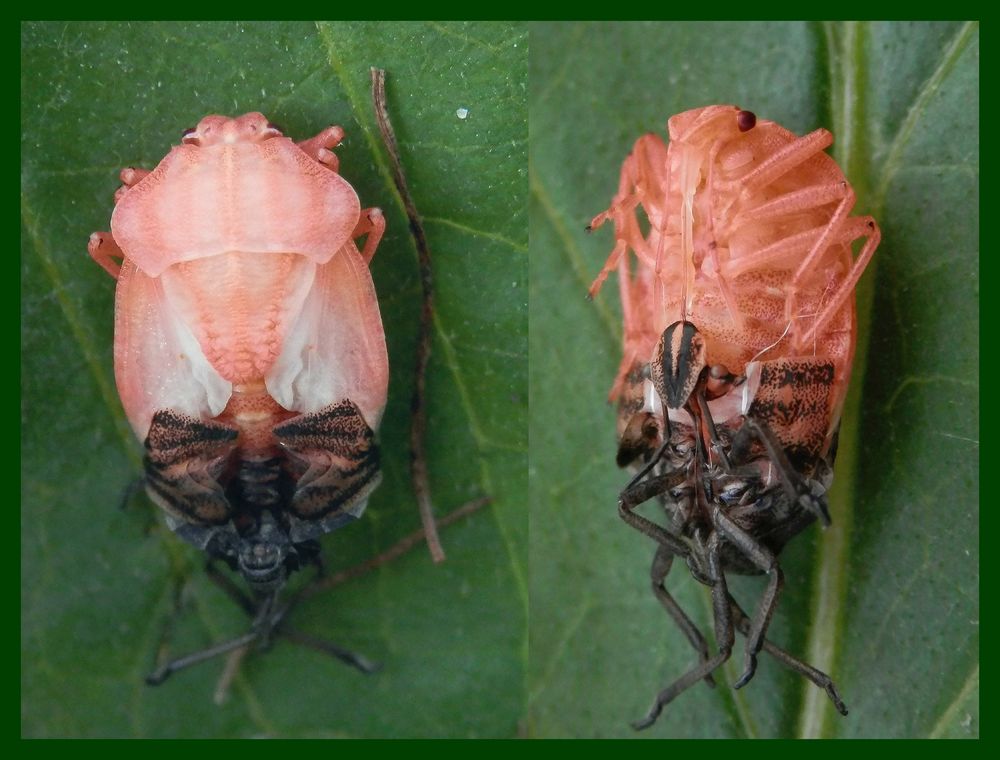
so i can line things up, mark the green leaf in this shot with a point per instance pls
(887, 600)
(99, 584)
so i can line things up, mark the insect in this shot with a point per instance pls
(249, 351)
(739, 334)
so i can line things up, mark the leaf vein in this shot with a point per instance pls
(573, 254)
(894, 159)
(950, 712)
(74, 320)
(519, 247)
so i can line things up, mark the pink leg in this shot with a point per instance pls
(372, 224)
(783, 161)
(850, 229)
(617, 254)
(713, 253)
(318, 147)
(130, 177)
(627, 197)
(817, 251)
(626, 293)
(627, 290)
(786, 159)
(634, 187)
(628, 359)
(104, 250)
(872, 237)
(791, 203)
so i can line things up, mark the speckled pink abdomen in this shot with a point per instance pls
(747, 234)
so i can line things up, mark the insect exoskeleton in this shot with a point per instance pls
(249, 352)
(739, 334)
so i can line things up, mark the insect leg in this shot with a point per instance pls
(818, 677)
(104, 250)
(612, 262)
(642, 177)
(631, 294)
(819, 248)
(319, 147)
(130, 177)
(326, 582)
(355, 660)
(264, 622)
(797, 202)
(646, 468)
(164, 672)
(872, 236)
(717, 448)
(723, 637)
(234, 592)
(787, 158)
(636, 493)
(792, 245)
(627, 197)
(798, 490)
(766, 561)
(372, 224)
(662, 561)
(134, 486)
(346, 656)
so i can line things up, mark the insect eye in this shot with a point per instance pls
(269, 131)
(720, 380)
(746, 120)
(681, 493)
(683, 448)
(732, 493)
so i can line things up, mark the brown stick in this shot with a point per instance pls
(418, 428)
(396, 550)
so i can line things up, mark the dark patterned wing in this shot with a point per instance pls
(337, 463)
(184, 459)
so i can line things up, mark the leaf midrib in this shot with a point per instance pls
(826, 628)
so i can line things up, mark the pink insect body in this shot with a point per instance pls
(739, 333)
(249, 351)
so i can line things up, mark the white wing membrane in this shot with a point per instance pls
(158, 362)
(336, 348)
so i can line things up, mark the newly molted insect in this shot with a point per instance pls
(249, 352)
(739, 334)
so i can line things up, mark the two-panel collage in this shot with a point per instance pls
(499, 380)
